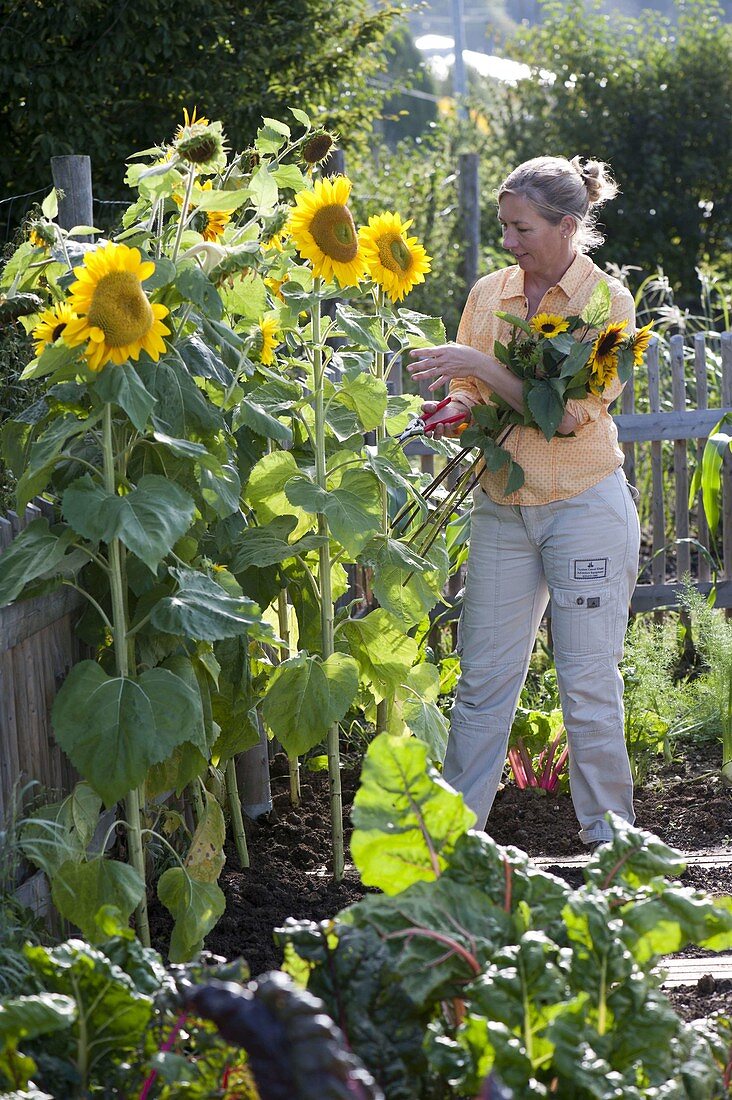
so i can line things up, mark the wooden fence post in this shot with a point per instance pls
(73, 182)
(469, 192)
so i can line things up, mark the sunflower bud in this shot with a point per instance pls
(202, 145)
(275, 224)
(42, 235)
(318, 147)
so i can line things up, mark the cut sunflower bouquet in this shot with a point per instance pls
(558, 359)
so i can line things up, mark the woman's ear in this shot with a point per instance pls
(567, 226)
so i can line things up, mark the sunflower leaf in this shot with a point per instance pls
(124, 387)
(150, 519)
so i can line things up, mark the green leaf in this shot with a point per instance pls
(410, 595)
(81, 506)
(597, 311)
(54, 357)
(260, 546)
(546, 405)
(247, 298)
(116, 1009)
(420, 711)
(196, 287)
(261, 421)
(366, 396)
(361, 329)
(100, 719)
(181, 410)
(45, 453)
(203, 362)
(422, 331)
(306, 696)
(49, 206)
(163, 275)
(353, 509)
(205, 857)
(49, 837)
(150, 519)
(383, 651)
(224, 201)
(33, 552)
(203, 610)
(80, 890)
(289, 175)
(514, 321)
(222, 490)
(300, 116)
(263, 191)
(382, 551)
(38, 1014)
(123, 386)
(406, 820)
(195, 907)
(186, 448)
(577, 358)
(271, 136)
(265, 490)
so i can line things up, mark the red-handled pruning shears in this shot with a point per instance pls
(422, 424)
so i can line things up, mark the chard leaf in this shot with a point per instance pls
(406, 819)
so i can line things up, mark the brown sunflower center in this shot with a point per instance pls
(334, 232)
(120, 309)
(57, 331)
(395, 255)
(548, 326)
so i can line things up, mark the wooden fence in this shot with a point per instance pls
(38, 645)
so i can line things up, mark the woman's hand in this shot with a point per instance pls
(437, 426)
(447, 361)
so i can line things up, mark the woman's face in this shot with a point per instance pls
(537, 246)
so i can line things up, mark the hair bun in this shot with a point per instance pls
(596, 177)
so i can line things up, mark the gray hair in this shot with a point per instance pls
(558, 188)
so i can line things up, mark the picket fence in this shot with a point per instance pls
(38, 644)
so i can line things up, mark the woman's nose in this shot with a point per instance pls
(509, 240)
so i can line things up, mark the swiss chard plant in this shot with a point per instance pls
(471, 959)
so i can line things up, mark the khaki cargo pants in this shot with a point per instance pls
(582, 555)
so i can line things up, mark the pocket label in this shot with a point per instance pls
(589, 569)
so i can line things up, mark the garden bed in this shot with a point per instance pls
(290, 874)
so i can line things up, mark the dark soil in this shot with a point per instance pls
(290, 855)
(683, 803)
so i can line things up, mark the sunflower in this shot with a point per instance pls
(51, 323)
(202, 145)
(548, 324)
(266, 339)
(603, 361)
(640, 342)
(115, 318)
(40, 237)
(215, 221)
(322, 229)
(191, 120)
(395, 261)
(318, 148)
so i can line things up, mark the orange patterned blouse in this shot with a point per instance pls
(565, 465)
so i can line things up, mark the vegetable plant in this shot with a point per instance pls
(471, 959)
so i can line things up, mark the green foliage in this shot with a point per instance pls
(555, 987)
(82, 84)
(624, 90)
(713, 634)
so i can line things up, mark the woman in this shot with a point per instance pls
(569, 536)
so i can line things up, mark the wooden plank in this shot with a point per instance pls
(6, 533)
(20, 620)
(702, 401)
(627, 404)
(681, 461)
(727, 463)
(658, 426)
(9, 757)
(650, 597)
(688, 971)
(658, 512)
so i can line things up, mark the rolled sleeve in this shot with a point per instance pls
(466, 390)
(588, 409)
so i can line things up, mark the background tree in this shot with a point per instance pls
(652, 97)
(86, 76)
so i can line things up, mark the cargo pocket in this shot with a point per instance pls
(584, 620)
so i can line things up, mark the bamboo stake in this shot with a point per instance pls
(237, 821)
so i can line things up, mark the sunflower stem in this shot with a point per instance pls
(184, 211)
(382, 708)
(326, 597)
(237, 819)
(283, 622)
(133, 802)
